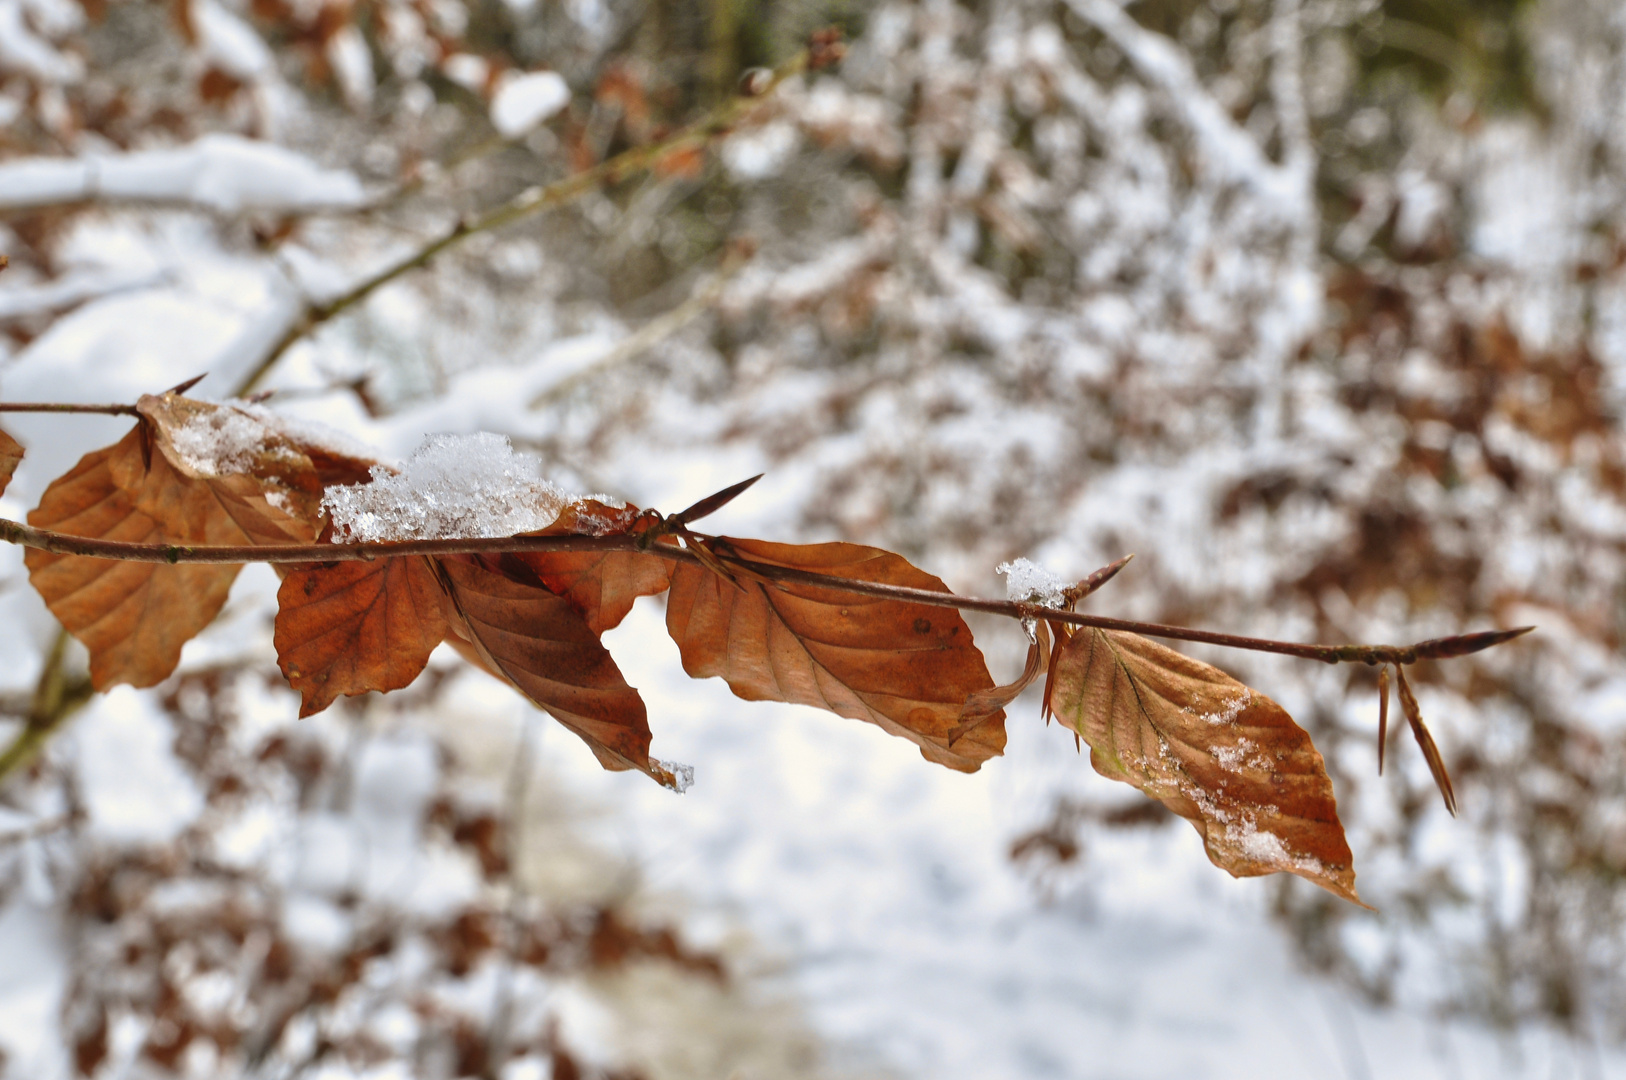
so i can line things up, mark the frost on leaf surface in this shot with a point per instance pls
(219, 442)
(453, 486)
(1218, 753)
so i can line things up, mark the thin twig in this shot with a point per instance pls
(720, 121)
(51, 407)
(63, 544)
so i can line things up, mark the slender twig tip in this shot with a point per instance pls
(1466, 644)
(713, 503)
(183, 387)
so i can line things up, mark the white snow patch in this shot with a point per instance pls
(231, 44)
(453, 486)
(220, 442)
(760, 152)
(524, 100)
(135, 791)
(682, 775)
(1028, 582)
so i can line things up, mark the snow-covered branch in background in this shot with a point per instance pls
(227, 174)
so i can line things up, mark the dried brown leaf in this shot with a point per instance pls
(538, 642)
(908, 668)
(600, 585)
(1216, 752)
(11, 452)
(236, 441)
(1425, 741)
(134, 617)
(984, 705)
(347, 628)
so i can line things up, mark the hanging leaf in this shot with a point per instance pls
(985, 705)
(1216, 752)
(541, 645)
(346, 628)
(204, 440)
(11, 452)
(906, 667)
(601, 586)
(134, 617)
(1425, 741)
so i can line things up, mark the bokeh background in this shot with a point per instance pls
(1316, 306)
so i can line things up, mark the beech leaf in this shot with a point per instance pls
(907, 667)
(601, 586)
(346, 628)
(1216, 752)
(11, 452)
(204, 440)
(538, 642)
(134, 617)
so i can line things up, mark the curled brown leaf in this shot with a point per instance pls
(1216, 752)
(985, 705)
(540, 644)
(906, 667)
(134, 617)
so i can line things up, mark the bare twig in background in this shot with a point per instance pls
(719, 122)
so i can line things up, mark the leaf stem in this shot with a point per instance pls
(63, 544)
(720, 121)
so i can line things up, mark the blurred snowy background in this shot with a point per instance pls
(1317, 306)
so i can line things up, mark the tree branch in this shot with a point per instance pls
(63, 544)
(50, 407)
(719, 122)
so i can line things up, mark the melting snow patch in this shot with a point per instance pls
(453, 487)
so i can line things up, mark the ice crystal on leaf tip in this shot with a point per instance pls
(1027, 581)
(452, 487)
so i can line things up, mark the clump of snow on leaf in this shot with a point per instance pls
(1028, 582)
(453, 486)
(679, 777)
(220, 441)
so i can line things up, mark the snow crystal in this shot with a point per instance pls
(1028, 582)
(219, 442)
(1233, 758)
(523, 101)
(1268, 849)
(453, 486)
(682, 775)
